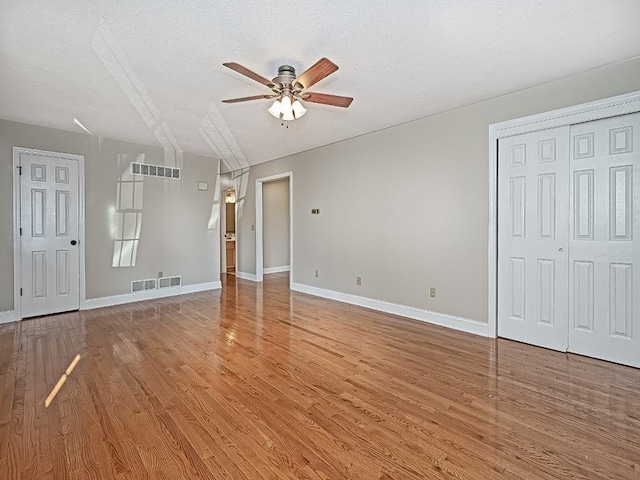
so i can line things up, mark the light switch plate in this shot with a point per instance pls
(203, 186)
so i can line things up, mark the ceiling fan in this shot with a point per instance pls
(289, 90)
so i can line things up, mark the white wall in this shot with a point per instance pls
(275, 217)
(180, 225)
(438, 168)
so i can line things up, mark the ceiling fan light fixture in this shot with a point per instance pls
(275, 109)
(289, 91)
(298, 109)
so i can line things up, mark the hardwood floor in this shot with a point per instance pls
(256, 382)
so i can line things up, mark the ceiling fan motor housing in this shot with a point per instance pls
(286, 75)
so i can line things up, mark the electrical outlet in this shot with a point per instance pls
(253, 227)
(359, 281)
(316, 273)
(160, 274)
(432, 292)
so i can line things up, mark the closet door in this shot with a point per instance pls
(604, 267)
(533, 224)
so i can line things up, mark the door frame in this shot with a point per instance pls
(585, 112)
(260, 220)
(235, 222)
(223, 233)
(17, 250)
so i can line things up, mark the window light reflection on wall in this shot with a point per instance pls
(128, 212)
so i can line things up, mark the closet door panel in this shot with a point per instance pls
(604, 271)
(533, 237)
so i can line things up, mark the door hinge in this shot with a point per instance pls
(20, 231)
(19, 170)
(21, 292)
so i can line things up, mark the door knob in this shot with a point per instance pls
(561, 249)
(73, 242)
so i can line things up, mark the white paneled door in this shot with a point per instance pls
(568, 238)
(604, 260)
(50, 259)
(533, 235)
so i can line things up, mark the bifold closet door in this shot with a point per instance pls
(533, 237)
(604, 266)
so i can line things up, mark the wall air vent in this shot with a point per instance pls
(155, 171)
(142, 285)
(167, 282)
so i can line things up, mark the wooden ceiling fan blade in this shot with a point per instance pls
(326, 99)
(236, 67)
(246, 99)
(316, 72)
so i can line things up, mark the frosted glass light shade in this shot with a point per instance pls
(275, 109)
(298, 109)
(286, 109)
(288, 116)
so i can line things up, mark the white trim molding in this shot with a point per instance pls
(282, 268)
(586, 112)
(92, 303)
(8, 316)
(247, 276)
(441, 319)
(259, 224)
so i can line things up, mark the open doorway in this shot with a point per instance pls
(274, 230)
(232, 194)
(229, 249)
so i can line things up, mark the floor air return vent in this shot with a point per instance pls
(167, 282)
(142, 285)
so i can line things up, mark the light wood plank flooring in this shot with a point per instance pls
(256, 382)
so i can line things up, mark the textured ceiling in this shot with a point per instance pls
(151, 71)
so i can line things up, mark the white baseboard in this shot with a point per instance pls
(247, 276)
(444, 320)
(283, 268)
(92, 303)
(8, 316)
